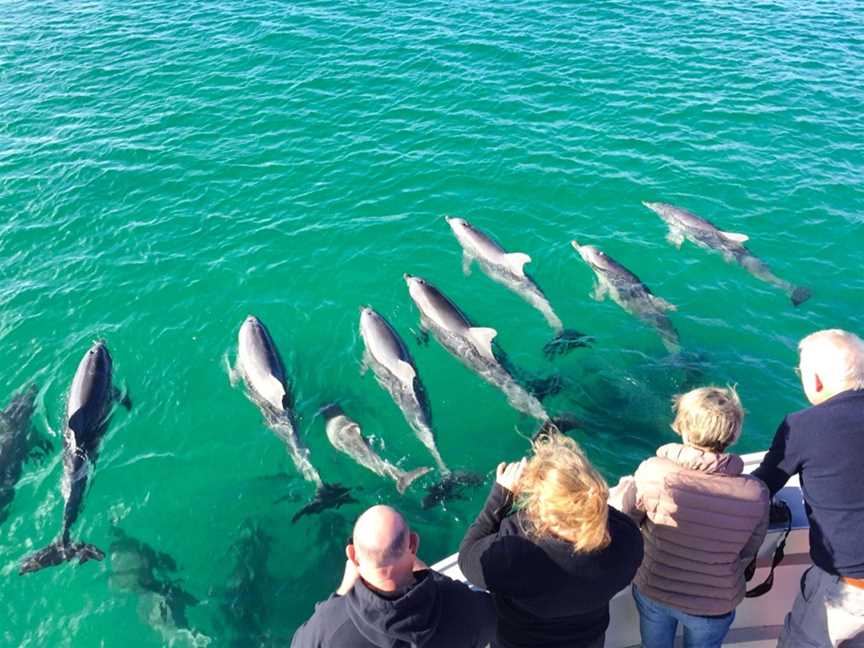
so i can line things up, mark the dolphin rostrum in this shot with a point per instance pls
(508, 269)
(88, 410)
(394, 369)
(345, 435)
(684, 224)
(470, 344)
(628, 291)
(18, 443)
(260, 366)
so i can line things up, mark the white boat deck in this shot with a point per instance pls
(758, 620)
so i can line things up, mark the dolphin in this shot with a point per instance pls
(247, 596)
(628, 291)
(260, 366)
(18, 443)
(139, 569)
(88, 411)
(684, 224)
(508, 269)
(395, 371)
(345, 435)
(470, 344)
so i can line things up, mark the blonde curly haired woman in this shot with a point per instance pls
(550, 550)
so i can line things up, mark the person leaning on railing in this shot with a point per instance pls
(703, 523)
(389, 598)
(553, 565)
(824, 445)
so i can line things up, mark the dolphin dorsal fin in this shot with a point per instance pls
(277, 392)
(405, 372)
(515, 262)
(482, 339)
(734, 237)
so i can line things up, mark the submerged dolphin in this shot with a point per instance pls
(88, 411)
(345, 435)
(472, 345)
(18, 442)
(628, 291)
(138, 568)
(508, 269)
(260, 366)
(685, 224)
(247, 599)
(395, 371)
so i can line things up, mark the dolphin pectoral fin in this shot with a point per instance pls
(675, 237)
(600, 291)
(421, 335)
(734, 237)
(467, 260)
(661, 303)
(364, 364)
(515, 262)
(232, 371)
(122, 397)
(40, 450)
(799, 295)
(405, 372)
(482, 339)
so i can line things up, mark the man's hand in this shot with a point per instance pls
(508, 475)
(348, 579)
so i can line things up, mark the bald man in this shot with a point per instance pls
(389, 598)
(824, 445)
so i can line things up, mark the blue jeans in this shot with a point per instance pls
(658, 623)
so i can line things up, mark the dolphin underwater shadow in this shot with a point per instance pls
(137, 568)
(19, 443)
(247, 595)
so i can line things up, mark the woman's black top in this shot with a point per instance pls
(544, 593)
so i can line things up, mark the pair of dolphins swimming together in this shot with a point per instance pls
(628, 291)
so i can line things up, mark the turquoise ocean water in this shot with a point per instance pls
(168, 168)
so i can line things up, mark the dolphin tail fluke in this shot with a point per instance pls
(565, 341)
(799, 295)
(327, 496)
(405, 479)
(57, 553)
(452, 486)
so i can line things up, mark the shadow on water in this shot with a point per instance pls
(139, 569)
(19, 443)
(265, 596)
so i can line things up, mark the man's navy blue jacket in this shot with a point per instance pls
(435, 612)
(824, 445)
